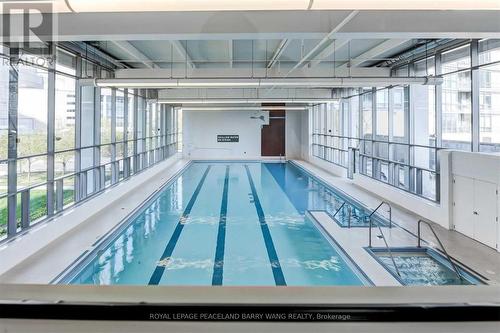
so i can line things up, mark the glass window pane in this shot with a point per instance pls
(105, 154)
(382, 121)
(89, 69)
(425, 67)
(4, 108)
(32, 117)
(64, 163)
(367, 115)
(120, 116)
(489, 51)
(130, 117)
(429, 185)
(489, 108)
(106, 115)
(400, 110)
(3, 177)
(456, 59)
(87, 122)
(354, 117)
(65, 62)
(140, 125)
(456, 104)
(401, 71)
(424, 113)
(38, 203)
(68, 191)
(31, 171)
(3, 218)
(65, 112)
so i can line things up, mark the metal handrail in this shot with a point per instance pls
(378, 207)
(455, 268)
(338, 210)
(385, 241)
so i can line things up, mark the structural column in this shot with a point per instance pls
(12, 142)
(51, 124)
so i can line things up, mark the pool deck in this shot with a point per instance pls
(57, 254)
(479, 258)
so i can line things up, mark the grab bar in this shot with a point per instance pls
(370, 217)
(455, 268)
(340, 208)
(386, 245)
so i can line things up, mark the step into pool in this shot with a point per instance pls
(224, 223)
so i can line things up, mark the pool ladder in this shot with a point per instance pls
(382, 234)
(455, 268)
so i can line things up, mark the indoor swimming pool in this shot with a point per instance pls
(225, 223)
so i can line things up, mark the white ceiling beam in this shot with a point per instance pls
(374, 52)
(278, 52)
(245, 95)
(329, 50)
(181, 50)
(133, 52)
(247, 72)
(263, 25)
(325, 41)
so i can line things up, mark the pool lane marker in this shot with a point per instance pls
(221, 235)
(279, 279)
(165, 258)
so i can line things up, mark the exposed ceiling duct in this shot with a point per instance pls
(185, 101)
(156, 83)
(243, 108)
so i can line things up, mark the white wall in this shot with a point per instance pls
(293, 134)
(305, 135)
(482, 170)
(200, 130)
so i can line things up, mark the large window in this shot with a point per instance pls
(489, 96)
(4, 127)
(386, 152)
(32, 126)
(457, 99)
(399, 130)
(94, 133)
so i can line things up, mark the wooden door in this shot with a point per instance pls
(273, 135)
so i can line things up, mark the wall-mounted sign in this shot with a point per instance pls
(228, 138)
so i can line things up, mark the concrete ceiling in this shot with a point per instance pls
(250, 53)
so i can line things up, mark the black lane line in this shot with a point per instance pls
(279, 279)
(158, 272)
(221, 235)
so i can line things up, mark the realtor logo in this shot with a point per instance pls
(27, 24)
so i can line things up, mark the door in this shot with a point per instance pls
(273, 135)
(485, 212)
(463, 205)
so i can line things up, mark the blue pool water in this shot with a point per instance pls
(224, 223)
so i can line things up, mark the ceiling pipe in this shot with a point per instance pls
(244, 108)
(201, 101)
(156, 83)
